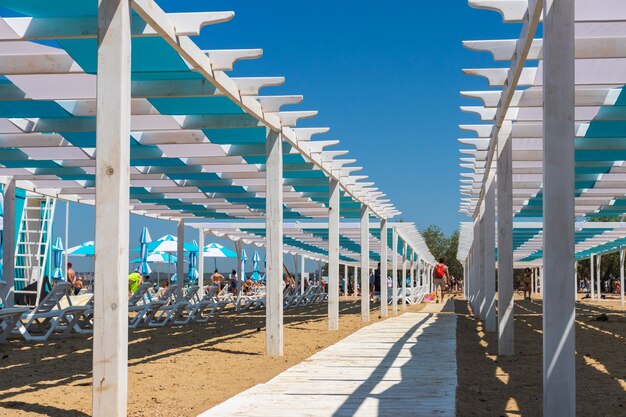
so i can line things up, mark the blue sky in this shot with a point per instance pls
(384, 76)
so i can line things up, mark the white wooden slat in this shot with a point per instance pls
(403, 366)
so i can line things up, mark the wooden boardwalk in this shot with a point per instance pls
(403, 366)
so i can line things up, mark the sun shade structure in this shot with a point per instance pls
(112, 103)
(548, 151)
(197, 143)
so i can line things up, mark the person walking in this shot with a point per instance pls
(442, 277)
(527, 281)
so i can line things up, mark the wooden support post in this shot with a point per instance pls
(201, 261)
(506, 302)
(110, 336)
(239, 268)
(394, 274)
(274, 243)
(345, 280)
(365, 264)
(302, 271)
(559, 366)
(622, 254)
(490, 258)
(180, 256)
(599, 277)
(8, 244)
(383, 268)
(333, 254)
(482, 298)
(403, 286)
(592, 275)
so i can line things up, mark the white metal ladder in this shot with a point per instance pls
(33, 243)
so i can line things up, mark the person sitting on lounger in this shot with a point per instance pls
(247, 286)
(162, 289)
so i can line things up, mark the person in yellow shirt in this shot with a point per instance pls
(134, 279)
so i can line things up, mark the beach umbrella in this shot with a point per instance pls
(244, 258)
(144, 240)
(167, 243)
(84, 249)
(255, 264)
(57, 253)
(157, 258)
(215, 250)
(193, 262)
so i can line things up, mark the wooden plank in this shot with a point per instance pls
(404, 366)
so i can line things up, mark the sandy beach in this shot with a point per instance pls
(174, 372)
(489, 385)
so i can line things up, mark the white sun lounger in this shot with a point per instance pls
(8, 316)
(145, 311)
(169, 313)
(49, 319)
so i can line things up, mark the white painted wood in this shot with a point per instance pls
(110, 336)
(274, 243)
(599, 277)
(622, 255)
(592, 274)
(394, 273)
(365, 264)
(239, 268)
(403, 286)
(412, 274)
(378, 371)
(345, 279)
(201, 261)
(482, 295)
(333, 254)
(67, 233)
(180, 256)
(8, 244)
(490, 258)
(302, 271)
(506, 302)
(559, 368)
(383, 268)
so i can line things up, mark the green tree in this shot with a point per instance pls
(442, 246)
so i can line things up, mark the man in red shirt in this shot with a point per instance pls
(441, 276)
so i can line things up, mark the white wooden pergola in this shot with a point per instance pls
(549, 150)
(121, 109)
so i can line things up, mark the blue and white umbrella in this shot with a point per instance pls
(215, 250)
(244, 258)
(255, 264)
(144, 240)
(57, 253)
(84, 249)
(167, 243)
(193, 263)
(157, 258)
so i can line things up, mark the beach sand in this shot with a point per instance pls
(512, 386)
(175, 371)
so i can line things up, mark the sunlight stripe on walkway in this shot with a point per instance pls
(403, 366)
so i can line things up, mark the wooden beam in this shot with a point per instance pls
(274, 244)
(110, 339)
(8, 244)
(365, 264)
(559, 309)
(333, 254)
